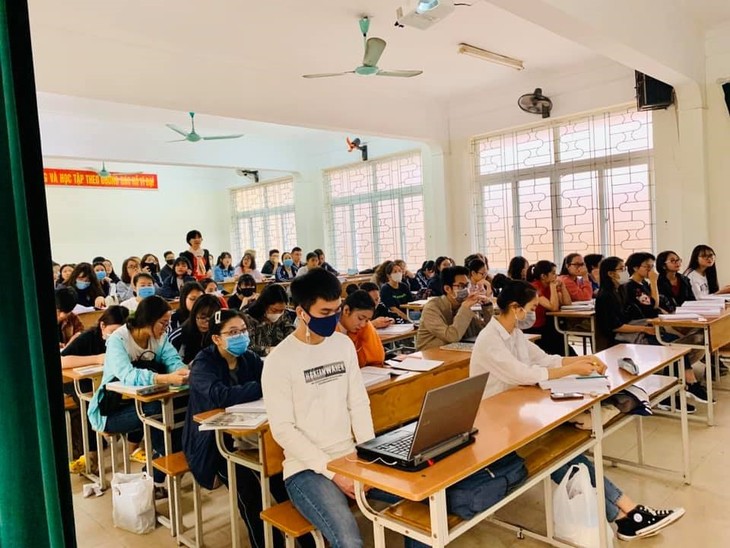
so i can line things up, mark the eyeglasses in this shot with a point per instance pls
(622, 269)
(233, 332)
(460, 286)
(675, 261)
(577, 264)
(708, 256)
(203, 319)
(647, 266)
(164, 323)
(482, 273)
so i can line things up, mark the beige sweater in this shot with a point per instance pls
(441, 324)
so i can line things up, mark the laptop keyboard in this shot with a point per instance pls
(399, 447)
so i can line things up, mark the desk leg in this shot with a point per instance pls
(265, 492)
(173, 486)
(593, 334)
(439, 519)
(683, 421)
(565, 335)
(708, 378)
(232, 490)
(598, 465)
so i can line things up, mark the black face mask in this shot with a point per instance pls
(246, 291)
(170, 262)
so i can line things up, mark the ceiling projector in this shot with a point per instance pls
(422, 14)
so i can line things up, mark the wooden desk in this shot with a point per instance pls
(506, 422)
(387, 338)
(230, 286)
(574, 316)
(90, 319)
(392, 403)
(715, 334)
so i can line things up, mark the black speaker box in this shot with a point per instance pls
(726, 90)
(652, 94)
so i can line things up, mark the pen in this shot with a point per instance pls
(591, 377)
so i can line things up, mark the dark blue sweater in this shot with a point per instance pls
(211, 387)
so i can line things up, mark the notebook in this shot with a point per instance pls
(444, 426)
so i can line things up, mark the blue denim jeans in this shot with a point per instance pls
(126, 421)
(325, 506)
(613, 493)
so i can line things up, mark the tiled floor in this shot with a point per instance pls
(707, 500)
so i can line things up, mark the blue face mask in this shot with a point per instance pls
(145, 291)
(324, 327)
(100, 275)
(236, 345)
(288, 263)
(82, 285)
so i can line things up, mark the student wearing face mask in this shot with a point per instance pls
(104, 280)
(511, 360)
(355, 322)
(89, 348)
(268, 320)
(286, 271)
(449, 318)
(144, 286)
(88, 289)
(223, 374)
(395, 293)
(245, 293)
(166, 271)
(137, 354)
(318, 407)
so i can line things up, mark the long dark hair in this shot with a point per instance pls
(516, 266)
(182, 310)
(113, 315)
(608, 265)
(86, 269)
(149, 311)
(206, 305)
(253, 261)
(539, 269)
(710, 273)
(661, 262)
(515, 291)
(272, 294)
(566, 263)
(222, 256)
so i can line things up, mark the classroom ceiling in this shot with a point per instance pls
(709, 13)
(235, 58)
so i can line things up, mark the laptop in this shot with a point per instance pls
(444, 426)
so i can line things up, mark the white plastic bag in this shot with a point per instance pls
(575, 509)
(133, 502)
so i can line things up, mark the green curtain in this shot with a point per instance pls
(35, 493)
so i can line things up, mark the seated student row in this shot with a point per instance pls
(152, 324)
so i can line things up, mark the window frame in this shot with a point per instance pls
(555, 171)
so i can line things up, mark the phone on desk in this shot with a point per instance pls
(566, 396)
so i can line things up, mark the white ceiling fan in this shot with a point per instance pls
(193, 137)
(374, 48)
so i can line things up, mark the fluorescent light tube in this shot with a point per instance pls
(490, 56)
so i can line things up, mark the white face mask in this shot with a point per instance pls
(527, 322)
(273, 318)
(397, 277)
(623, 276)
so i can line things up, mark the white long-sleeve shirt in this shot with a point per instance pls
(510, 359)
(316, 402)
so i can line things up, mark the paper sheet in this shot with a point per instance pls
(415, 364)
(248, 407)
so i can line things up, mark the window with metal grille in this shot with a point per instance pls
(375, 212)
(581, 185)
(263, 218)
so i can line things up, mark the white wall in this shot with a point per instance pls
(118, 223)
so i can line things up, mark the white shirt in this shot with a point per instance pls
(700, 287)
(302, 271)
(510, 359)
(316, 402)
(131, 304)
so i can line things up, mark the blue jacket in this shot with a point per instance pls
(220, 274)
(211, 388)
